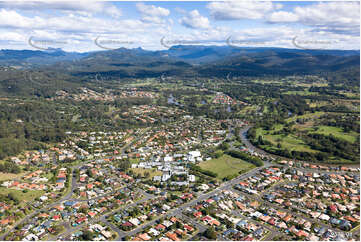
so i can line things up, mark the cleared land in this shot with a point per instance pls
(225, 166)
(22, 196)
(142, 171)
(10, 176)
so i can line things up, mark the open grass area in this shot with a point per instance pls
(225, 166)
(337, 132)
(30, 195)
(141, 171)
(289, 141)
(313, 84)
(10, 176)
(302, 93)
(315, 104)
(134, 160)
(248, 109)
(307, 115)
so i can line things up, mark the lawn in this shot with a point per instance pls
(30, 195)
(141, 171)
(317, 103)
(134, 160)
(226, 165)
(10, 176)
(302, 93)
(290, 141)
(337, 132)
(307, 115)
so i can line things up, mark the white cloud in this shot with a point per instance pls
(79, 6)
(267, 36)
(69, 23)
(152, 14)
(153, 19)
(152, 10)
(78, 30)
(11, 36)
(113, 11)
(338, 17)
(234, 10)
(79, 24)
(195, 21)
(283, 16)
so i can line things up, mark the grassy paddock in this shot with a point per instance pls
(337, 132)
(10, 176)
(226, 165)
(152, 172)
(30, 195)
(290, 142)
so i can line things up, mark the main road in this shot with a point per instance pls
(178, 211)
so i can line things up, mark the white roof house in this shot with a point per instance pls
(168, 158)
(194, 154)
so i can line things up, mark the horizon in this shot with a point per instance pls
(93, 26)
(155, 50)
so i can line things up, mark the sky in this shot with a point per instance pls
(89, 26)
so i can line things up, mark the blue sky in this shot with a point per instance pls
(86, 26)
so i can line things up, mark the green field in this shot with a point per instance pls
(10, 176)
(304, 93)
(290, 141)
(314, 115)
(142, 171)
(277, 140)
(337, 132)
(30, 195)
(225, 166)
(134, 160)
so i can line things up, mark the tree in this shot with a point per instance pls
(87, 235)
(210, 233)
(146, 174)
(13, 197)
(218, 153)
(58, 229)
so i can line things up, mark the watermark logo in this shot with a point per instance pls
(45, 44)
(228, 77)
(236, 43)
(168, 43)
(111, 44)
(312, 44)
(99, 78)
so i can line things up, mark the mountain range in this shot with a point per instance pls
(181, 60)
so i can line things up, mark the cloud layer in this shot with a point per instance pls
(143, 24)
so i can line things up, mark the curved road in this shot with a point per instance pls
(251, 147)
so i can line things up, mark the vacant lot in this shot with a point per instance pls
(142, 171)
(9, 176)
(225, 166)
(27, 196)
